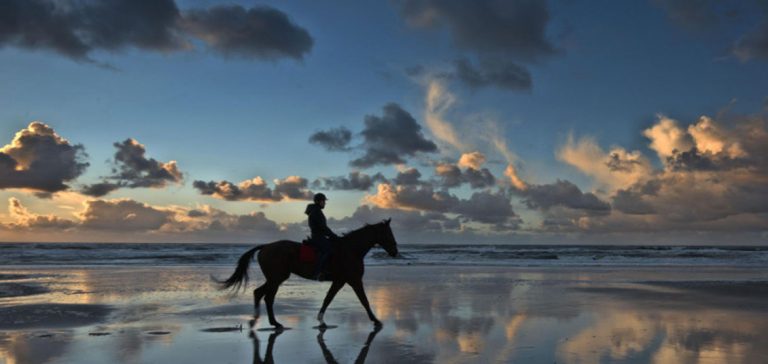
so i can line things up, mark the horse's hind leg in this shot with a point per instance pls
(269, 298)
(258, 293)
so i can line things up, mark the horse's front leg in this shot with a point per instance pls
(360, 292)
(335, 287)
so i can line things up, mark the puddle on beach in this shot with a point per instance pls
(448, 315)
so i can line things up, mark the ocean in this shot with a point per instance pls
(138, 254)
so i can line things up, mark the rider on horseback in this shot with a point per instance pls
(321, 234)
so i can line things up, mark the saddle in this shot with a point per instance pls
(307, 253)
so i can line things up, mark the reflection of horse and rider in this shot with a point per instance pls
(327, 354)
(339, 259)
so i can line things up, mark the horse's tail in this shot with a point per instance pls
(239, 278)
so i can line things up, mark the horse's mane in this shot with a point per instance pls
(349, 234)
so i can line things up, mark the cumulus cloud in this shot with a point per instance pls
(122, 215)
(76, 29)
(259, 32)
(713, 179)
(23, 219)
(482, 207)
(390, 138)
(256, 189)
(452, 176)
(354, 181)
(336, 139)
(408, 177)
(474, 160)
(565, 194)
(39, 159)
(132, 169)
(614, 169)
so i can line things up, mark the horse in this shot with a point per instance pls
(281, 258)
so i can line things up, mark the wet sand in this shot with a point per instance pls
(431, 315)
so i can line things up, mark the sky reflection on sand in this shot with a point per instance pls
(447, 315)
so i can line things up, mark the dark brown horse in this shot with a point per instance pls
(281, 258)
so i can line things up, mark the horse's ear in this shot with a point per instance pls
(387, 221)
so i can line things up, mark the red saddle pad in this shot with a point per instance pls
(306, 254)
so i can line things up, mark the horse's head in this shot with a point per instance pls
(388, 243)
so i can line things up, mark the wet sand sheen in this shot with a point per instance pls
(430, 314)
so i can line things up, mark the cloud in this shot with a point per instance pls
(483, 207)
(76, 29)
(564, 194)
(713, 178)
(122, 215)
(499, 33)
(391, 138)
(492, 72)
(40, 160)
(452, 176)
(616, 168)
(516, 29)
(489, 208)
(354, 181)
(293, 188)
(336, 139)
(511, 173)
(23, 219)
(754, 44)
(408, 177)
(132, 169)
(474, 160)
(438, 102)
(258, 32)
(256, 189)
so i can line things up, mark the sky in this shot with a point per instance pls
(525, 122)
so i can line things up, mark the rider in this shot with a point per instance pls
(321, 234)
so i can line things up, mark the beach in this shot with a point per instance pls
(431, 314)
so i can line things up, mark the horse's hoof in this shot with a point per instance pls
(252, 323)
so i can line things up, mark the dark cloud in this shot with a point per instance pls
(408, 177)
(483, 207)
(516, 29)
(256, 189)
(562, 193)
(490, 208)
(75, 29)
(391, 138)
(336, 139)
(452, 176)
(631, 202)
(259, 32)
(754, 44)
(99, 189)
(132, 169)
(500, 34)
(123, 215)
(354, 181)
(41, 160)
(501, 74)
